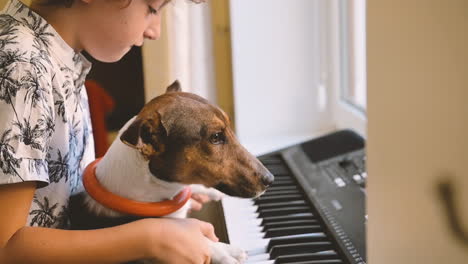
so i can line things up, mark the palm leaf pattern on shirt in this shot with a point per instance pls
(44, 216)
(34, 91)
(8, 162)
(39, 60)
(8, 57)
(60, 104)
(58, 168)
(42, 36)
(30, 136)
(36, 165)
(46, 123)
(7, 29)
(8, 86)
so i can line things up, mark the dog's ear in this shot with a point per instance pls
(174, 87)
(146, 135)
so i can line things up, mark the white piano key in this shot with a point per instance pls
(263, 262)
(257, 258)
(242, 223)
(257, 249)
(255, 246)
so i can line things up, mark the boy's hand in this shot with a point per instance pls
(198, 200)
(181, 241)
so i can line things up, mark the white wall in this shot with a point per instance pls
(277, 71)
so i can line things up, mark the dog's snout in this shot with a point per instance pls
(267, 179)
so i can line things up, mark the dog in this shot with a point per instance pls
(178, 139)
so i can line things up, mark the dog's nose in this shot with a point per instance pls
(268, 179)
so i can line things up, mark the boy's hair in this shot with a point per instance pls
(68, 3)
(65, 3)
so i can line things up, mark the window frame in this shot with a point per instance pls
(346, 115)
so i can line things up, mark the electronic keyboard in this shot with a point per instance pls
(313, 213)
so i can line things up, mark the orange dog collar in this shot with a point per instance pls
(128, 206)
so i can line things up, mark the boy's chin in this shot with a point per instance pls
(109, 58)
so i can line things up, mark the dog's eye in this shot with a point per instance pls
(217, 138)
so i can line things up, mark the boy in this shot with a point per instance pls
(46, 140)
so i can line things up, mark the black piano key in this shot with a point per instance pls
(271, 161)
(277, 199)
(280, 169)
(280, 204)
(297, 216)
(283, 178)
(324, 261)
(289, 223)
(292, 230)
(283, 211)
(281, 192)
(294, 239)
(283, 182)
(282, 188)
(299, 248)
(330, 254)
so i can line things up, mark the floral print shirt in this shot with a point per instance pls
(45, 128)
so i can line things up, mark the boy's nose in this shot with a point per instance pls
(152, 33)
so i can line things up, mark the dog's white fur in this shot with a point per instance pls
(125, 172)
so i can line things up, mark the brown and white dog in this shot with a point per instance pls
(177, 139)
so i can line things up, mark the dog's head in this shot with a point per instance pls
(188, 140)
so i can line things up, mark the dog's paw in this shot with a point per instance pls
(226, 254)
(212, 193)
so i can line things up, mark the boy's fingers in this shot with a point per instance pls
(195, 206)
(207, 229)
(201, 198)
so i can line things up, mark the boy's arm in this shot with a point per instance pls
(15, 202)
(167, 240)
(22, 244)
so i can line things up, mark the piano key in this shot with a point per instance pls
(294, 258)
(297, 216)
(285, 182)
(283, 211)
(283, 178)
(278, 198)
(278, 169)
(303, 238)
(292, 230)
(298, 248)
(258, 258)
(323, 261)
(282, 192)
(277, 188)
(265, 245)
(329, 254)
(280, 204)
(271, 161)
(289, 223)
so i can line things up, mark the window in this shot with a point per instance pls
(353, 53)
(346, 36)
